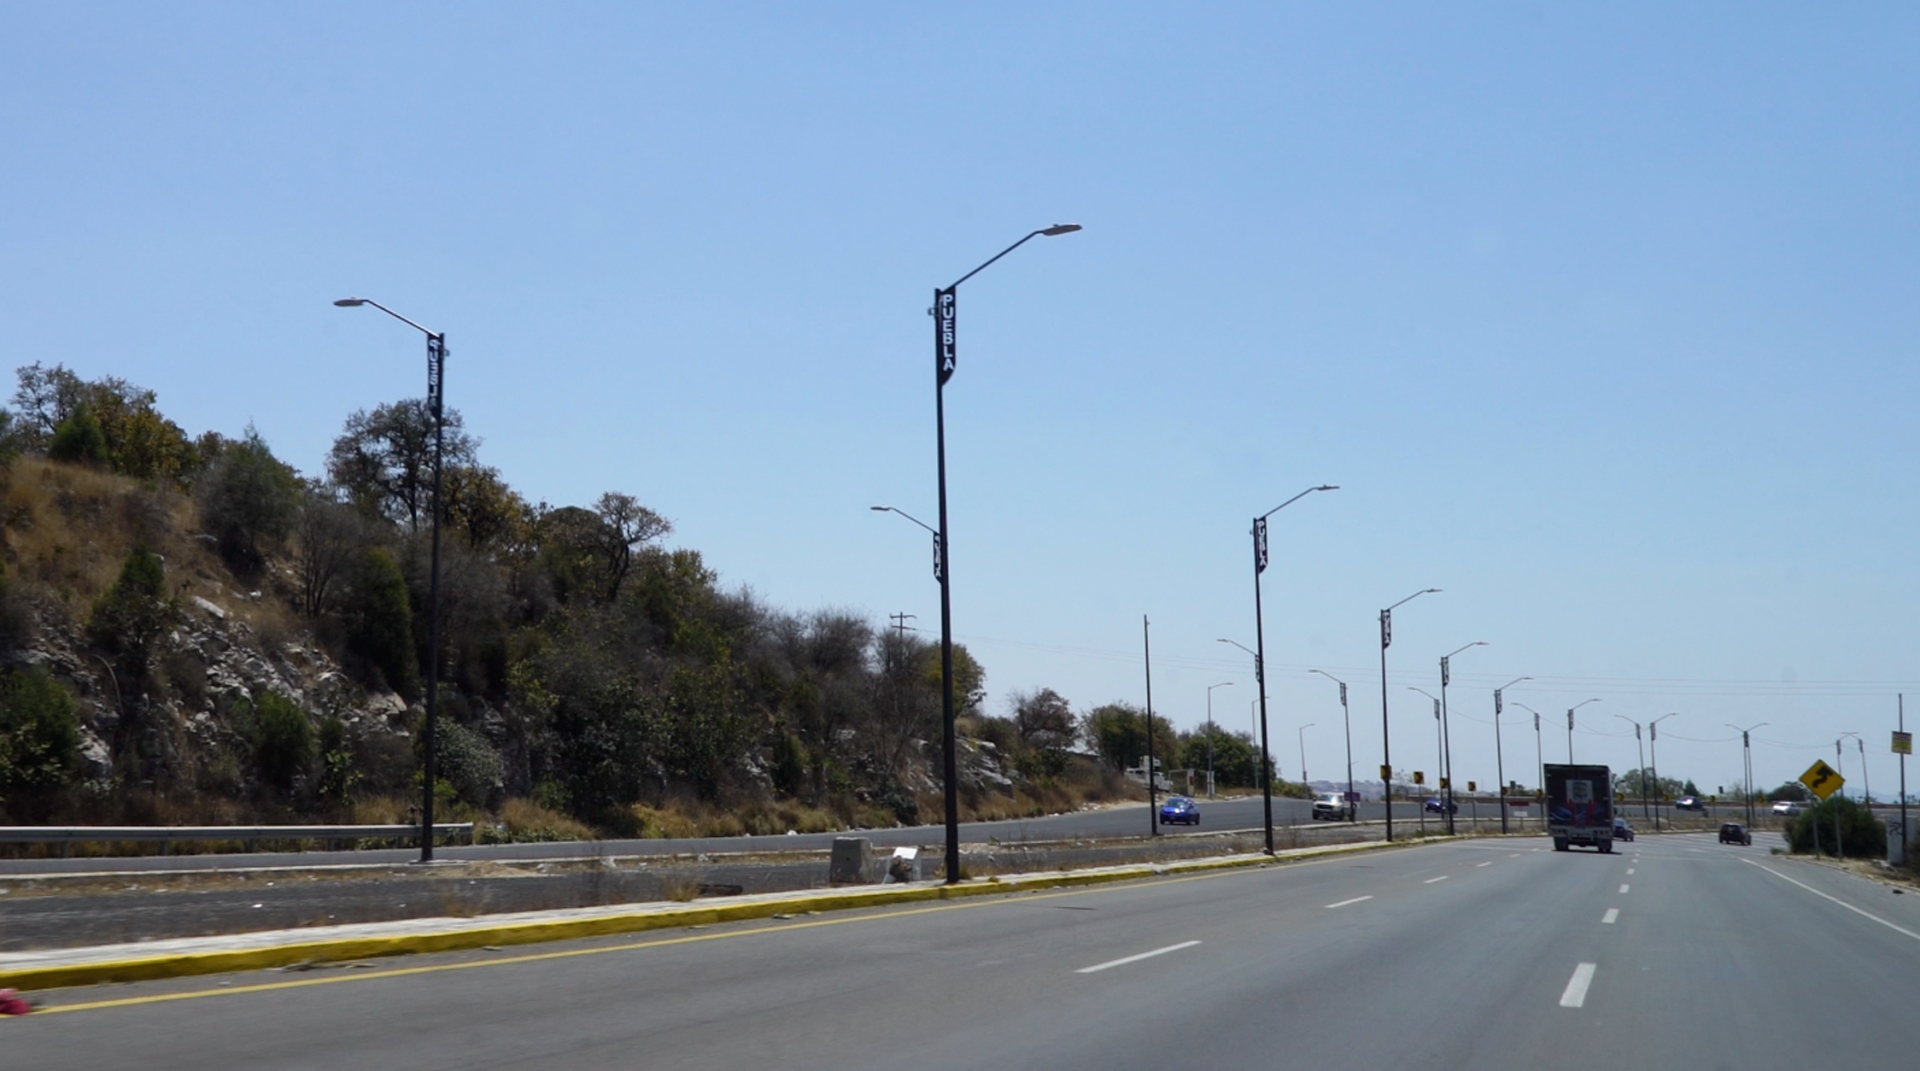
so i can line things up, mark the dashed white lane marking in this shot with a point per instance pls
(1430, 881)
(1355, 900)
(1624, 888)
(1629, 870)
(1575, 994)
(1515, 855)
(1842, 903)
(1488, 863)
(1612, 916)
(1124, 960)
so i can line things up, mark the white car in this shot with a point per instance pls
(1332, 806)
(1786, 807)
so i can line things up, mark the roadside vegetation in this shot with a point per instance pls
(594, 679)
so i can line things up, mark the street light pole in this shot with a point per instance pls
(1386, 745)
(1346, 720)
(1499, 761)
(436, 388)
(1653, 750)
(1303, 750)
(1866, 786)
(1260, 645)
(1570, 711)
(1210, 731)
(1439, 754)
(1540, 760)
(1446, 737)
(945, 360)
(1643, 761)
(1746, 750)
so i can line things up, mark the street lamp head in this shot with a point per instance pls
(351, 302)
(1060, 228)
(881, 509)
(1328, 487)
(1431, 591)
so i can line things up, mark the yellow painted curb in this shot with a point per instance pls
(185, 964)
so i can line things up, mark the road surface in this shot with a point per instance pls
(1487, 954)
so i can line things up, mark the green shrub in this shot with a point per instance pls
(282, 739)
(465, 760)
(1861, 835)
(39, 735)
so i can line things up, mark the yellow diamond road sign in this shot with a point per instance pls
(1824, 780)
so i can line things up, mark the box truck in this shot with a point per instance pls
(1580, 806)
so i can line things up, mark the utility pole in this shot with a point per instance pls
(900, 623)
(1153, 811)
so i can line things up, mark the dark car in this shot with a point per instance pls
(1181, 810)
(1735, 833)
(1690, 803)
(1621, 830)
(1436, 805)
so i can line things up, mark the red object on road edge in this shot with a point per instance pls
(12, 1003)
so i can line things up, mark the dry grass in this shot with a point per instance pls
(527, 820)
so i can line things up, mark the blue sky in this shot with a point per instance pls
(1601, 315)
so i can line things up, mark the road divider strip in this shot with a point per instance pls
(1124, 960)
(1575, 995)
(61, 968)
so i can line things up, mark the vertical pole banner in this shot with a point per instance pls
(946, 355)
(1259, 545)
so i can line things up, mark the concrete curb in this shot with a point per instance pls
(307, 947)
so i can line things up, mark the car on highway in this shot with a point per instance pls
(1621, 830)
(1786, 807)
(1179, 810)
(1735, 833)
(1332, 806)
(1436, 805)
(1690, 803)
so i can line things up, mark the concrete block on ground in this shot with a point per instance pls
(852, 861)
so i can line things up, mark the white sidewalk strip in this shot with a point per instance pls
(1576, 991)
(1135, 959)
(1430, 881)
(1837, 900)
(1355, 900)
(1612, 914)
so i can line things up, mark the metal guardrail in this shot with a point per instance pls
(165, 836)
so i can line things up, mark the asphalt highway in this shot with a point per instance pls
(1488, 954)
(1121, 821)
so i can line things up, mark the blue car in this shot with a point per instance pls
(1437, 805)
(1181, 810)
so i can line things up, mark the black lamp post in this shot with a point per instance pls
(1353, 804)
(1540, 761)
(1499, 761)
(436, 369)
(1260, 645)
(1746, 764)
(1386, 748)
(1644, 813)
(945, 359)
(1570, 711)
(1653, 752)
(1446, 738)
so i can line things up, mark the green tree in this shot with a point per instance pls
(466, 761)
(1118, 732)
(78, 439)
(135, 612)
(1233, 756)
(379, 619)
(247, 496)
(39, 735)
(282, 739)
(384, 458)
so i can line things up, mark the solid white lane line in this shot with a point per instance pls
(1430, 881)
(1355, 900)
(1575, 994)
(1489, 863)
(1124, 960)
(1842, 903)
(1613, 914)
(1624, 888)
